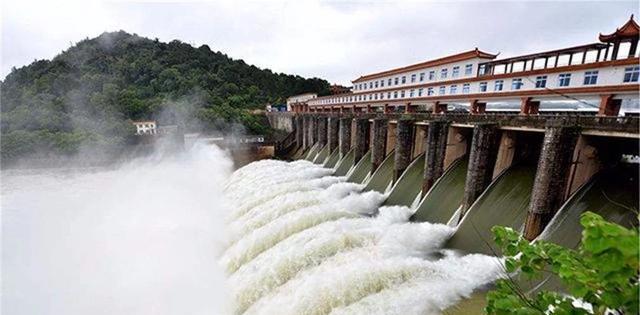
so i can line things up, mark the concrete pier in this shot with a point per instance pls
(361, 138)
(379, 142)
(482, 159)
(313, 130)
(310, 124)
(321, 127)
(332, 133)
(344, 144)
(299, 123)
(305, 131)
(436, 146)
(551, 177)
(404, 148)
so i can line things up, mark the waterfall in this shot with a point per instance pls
(303, 241)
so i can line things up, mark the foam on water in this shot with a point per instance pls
(310, 243)
(290, 223)
(288, 202)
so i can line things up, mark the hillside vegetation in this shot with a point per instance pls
(89, 94)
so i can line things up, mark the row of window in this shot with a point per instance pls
(468, 70)
(631, 74)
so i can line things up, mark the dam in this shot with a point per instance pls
(384, 199)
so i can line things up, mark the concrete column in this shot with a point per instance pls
(314, 129)
(332, 133)
(379, 142)
(420, 134)
(436, 146)
(391, 137)
(361, 138)
(609, 106)
(322, 130)
(551, 177)
(345, 136)
(482, 159)
(306, 121)
(404, 139)
(299, 123)
(311, 130)
(529, 107)
(478, 107)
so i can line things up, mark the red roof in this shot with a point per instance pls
(629, 30)
(431, 63)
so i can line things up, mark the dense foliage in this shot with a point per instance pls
(92, 91)
(603, 271)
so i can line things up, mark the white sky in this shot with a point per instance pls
(335, 40)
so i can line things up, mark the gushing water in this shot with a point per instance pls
(150, 238)
(304, 242)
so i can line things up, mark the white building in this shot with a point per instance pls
(606, 70)
(300, 99)
(145, 127)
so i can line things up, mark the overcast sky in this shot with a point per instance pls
(335, 40)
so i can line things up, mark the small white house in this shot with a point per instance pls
(145, 127)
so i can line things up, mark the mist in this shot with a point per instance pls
(140, 238)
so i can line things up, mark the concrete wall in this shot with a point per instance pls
(283, 122)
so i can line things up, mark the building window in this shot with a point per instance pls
(564, 79)
(375, 96)
(443, 73)
(370, 96)
(413, 78)
(430, 91)
(483, 86)
(395, 94)
(376, 84)
(432, 75)
(631, 74)
(402, 94)
(381, 83)
(453, 89)
(421, 76)
(396, 80)
(388, 94)
(456, 72)
(389, 83)
(482, 69)
(420, 92)
(442, 90)
(404, 79)
(360, 86)
(381, 96)
(499, 85)
(411, 93)
(468, 69)
(541, 81)
(590, 77)
(371, 85)
(516, 84)
(465, 88)
(359, 97)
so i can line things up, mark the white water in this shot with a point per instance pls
(303, 242)
(141, 239)
(151, 238)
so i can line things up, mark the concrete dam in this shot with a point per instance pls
(383, 213)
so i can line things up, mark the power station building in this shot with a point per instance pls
(599, 75)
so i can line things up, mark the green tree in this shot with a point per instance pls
(603, 271)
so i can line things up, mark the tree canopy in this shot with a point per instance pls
(93, 90)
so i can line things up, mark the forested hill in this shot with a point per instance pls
(89, 93)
